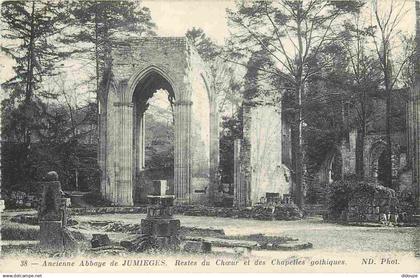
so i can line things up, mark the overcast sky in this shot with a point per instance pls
(174, 18)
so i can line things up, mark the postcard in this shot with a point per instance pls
(210, 136)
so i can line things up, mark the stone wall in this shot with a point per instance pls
(370, 202)
(373, 147)
(262, 170)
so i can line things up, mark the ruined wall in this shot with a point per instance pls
(375, 145)
(200, 136)
(266, 148)
(176, 62)
(260, 156)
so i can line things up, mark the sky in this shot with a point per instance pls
(174, 18)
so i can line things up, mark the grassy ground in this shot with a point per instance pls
(325, 237)
(17, 231)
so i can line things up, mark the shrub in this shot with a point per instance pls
(315, 193)
(339, 193)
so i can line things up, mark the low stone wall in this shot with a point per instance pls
(107, 210)
(281, 212)
(371, 202)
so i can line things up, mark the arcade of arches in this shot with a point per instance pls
(341, 160)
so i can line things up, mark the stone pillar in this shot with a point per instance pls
(182, 152)
(214, 152)
(51, 215)
(159, 223)
(139, 139)
(239, 190)
(102, 110)
(124, 175)
(245, 155)
(142, 142)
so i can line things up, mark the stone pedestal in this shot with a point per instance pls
(52, 217)
(51, 235)
(159, 223)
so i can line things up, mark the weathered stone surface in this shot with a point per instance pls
(160, 227)
(290, 246)
(260, 155)
(197, 246)
(100, 240)
(51, 201)
(69, 240)
(160, 187)
(51, 235)
(222, 242)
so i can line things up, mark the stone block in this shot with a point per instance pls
(372, 217)
(193, 246)
(160, 227)
(69, 241)
(99, 240)
(170, 243)
(51, 201)
(159, 212)
(51, 236)
(160, 187)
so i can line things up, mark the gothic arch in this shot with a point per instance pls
(326, 174)
(138, 71)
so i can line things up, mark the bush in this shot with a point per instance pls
(315, 193)
(352, 200)
(339, 193)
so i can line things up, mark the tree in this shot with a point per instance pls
(225, 82)
(101, 25)
(386, 42)
(29, 33)
(361, 78)
(292, 33)
(30, 30)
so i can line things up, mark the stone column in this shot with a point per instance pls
(142, 142)
(102, 106)
(50, 215)
(245, 155)
(214, 152)
(239, 190)
(182, 152)
(123, 193)
(139, 140)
